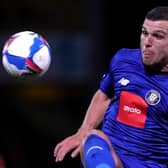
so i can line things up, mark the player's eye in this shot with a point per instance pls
(158, 36)
(144, 32)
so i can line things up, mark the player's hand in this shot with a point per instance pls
(71, 143)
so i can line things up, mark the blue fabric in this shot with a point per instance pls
(147, 143)
(97, 153)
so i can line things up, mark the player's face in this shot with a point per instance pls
(154, 42)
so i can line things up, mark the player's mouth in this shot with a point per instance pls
(148, 53)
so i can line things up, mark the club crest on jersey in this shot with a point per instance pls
(152, 97)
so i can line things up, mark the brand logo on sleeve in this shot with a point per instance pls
(132, 109)
(152, 97)
(123, 81)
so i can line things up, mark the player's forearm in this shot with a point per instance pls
(96, 110)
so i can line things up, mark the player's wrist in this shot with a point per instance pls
(86, 127)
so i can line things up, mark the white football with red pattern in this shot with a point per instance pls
(26, 54)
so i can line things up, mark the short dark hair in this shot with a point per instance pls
(158, 13)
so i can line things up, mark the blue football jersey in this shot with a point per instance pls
(136, 120)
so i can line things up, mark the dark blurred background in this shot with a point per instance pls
(83, 34)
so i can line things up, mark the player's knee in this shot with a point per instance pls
(95, 132)
(96, 151)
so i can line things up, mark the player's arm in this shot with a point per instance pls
(96, 110)
(93, 118)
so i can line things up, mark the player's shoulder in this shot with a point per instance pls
(126, 54)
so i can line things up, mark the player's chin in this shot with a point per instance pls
(148, 59)
(152, 67)
(147, 62)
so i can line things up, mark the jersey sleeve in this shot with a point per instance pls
(106, 85)
(107, 81)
